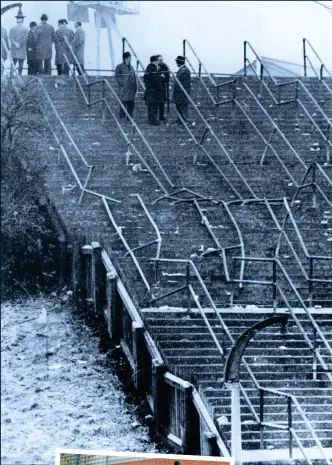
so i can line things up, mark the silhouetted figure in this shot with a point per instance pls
(154, 93)
(179, 97)
(18, 41)
(164, 71)
(45, 36)
(31, 49)
(126, 79)
(78, 45)
(62, 48)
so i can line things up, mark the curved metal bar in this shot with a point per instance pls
(131, 253)
(159, 240)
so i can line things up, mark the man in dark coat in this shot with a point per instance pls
(45, 36)
(179, 97)
(78, 46)
(126, 79)
(31, 49)
(18, 41)
(154, 93)
(164, 71)
(62, 48)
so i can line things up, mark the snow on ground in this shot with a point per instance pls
(69, 399)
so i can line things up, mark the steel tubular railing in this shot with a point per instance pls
(127, 247)
(306, 58)
(220, 145)
(134, 125)
(247, 367)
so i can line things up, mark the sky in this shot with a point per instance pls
(216, 29)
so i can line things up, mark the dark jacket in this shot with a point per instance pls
(45, 36)
(60, 45)
(78, 45)
(165, 74)
(31, 46)
(155, 92)
(183, 76)
(126, 79)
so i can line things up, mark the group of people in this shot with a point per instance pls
(35, 45)
(156, 80)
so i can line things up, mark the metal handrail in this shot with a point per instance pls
(155, 227)
(133, 123)
(209, 128)
(246, 365)
(138, 62)
(305, 58)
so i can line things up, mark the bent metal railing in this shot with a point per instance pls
(307, 59)
(190, 266)
(298, 84)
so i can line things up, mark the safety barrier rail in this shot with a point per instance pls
(198, 74)
(151, 376)
(307, 59)
(190, 266)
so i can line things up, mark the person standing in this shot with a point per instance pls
(31, 49)
(154, 93)
(78, 45)
(45, 36)
(18, 41)
(62, 48)
(4, 46)
(126, 79)
(164, 70)
(179, 97)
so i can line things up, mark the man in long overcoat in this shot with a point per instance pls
(165, 74)
(154, 93)
(179, 97)
(4, 38)
(126, 79)
(78, 45)
(62, 48)
(18, 39)
(45, 36)
(31, 49)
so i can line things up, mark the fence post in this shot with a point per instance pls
(76, 273)
(95, 257)
(245, 58)
(123, 44)
(212, 444)
(138, 351)
(184, 48)
(188, 423)
(290, 425)
(160, 398)
(261, 418)
(111, 299)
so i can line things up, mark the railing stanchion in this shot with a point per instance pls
(188, 288)
(184, 47)
(245, 58)
(274, 286)
(304, 59)
(290, 426)
(123, 44)
(314, 187)
(200, 69)
(261, 418)
(311, 273)
(314, 358)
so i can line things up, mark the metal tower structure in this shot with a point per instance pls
(105, 18)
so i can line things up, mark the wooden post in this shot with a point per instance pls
(212, 444)
(87, 262)
(161, 403)
(95, 268)
(138, 354)
(76, 273)
(190, 443)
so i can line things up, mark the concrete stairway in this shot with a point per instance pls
(184, 340)
(278, 358)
